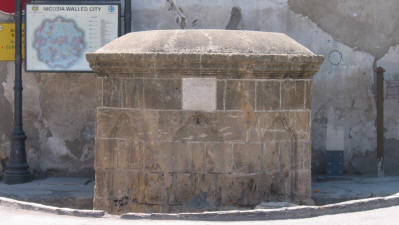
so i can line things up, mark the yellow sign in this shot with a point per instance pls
(7, 41)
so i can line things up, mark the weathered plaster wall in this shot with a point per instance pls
(5, 109)
(355, 36)
(59, 119)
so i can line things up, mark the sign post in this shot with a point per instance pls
(17, 169)
(128, 16)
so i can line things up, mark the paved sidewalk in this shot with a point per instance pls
(78, 192)
(339, 189)
(54, 191)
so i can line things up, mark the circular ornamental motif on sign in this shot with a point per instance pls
(59, 42)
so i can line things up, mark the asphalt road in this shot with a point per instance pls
(384, 216)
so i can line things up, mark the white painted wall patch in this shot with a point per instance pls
(199, 94)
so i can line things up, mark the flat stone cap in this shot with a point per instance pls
(206, 42)
(216, 53)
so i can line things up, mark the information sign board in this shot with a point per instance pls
(59, 35)
(7, 41)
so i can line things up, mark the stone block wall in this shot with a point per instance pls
(151, 155)
(187, 120)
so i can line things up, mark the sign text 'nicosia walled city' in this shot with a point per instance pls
(72, 8)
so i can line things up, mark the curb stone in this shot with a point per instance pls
(7, 202)
(275, 214)
(244, 215)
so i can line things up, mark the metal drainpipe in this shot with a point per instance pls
(380, 121)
